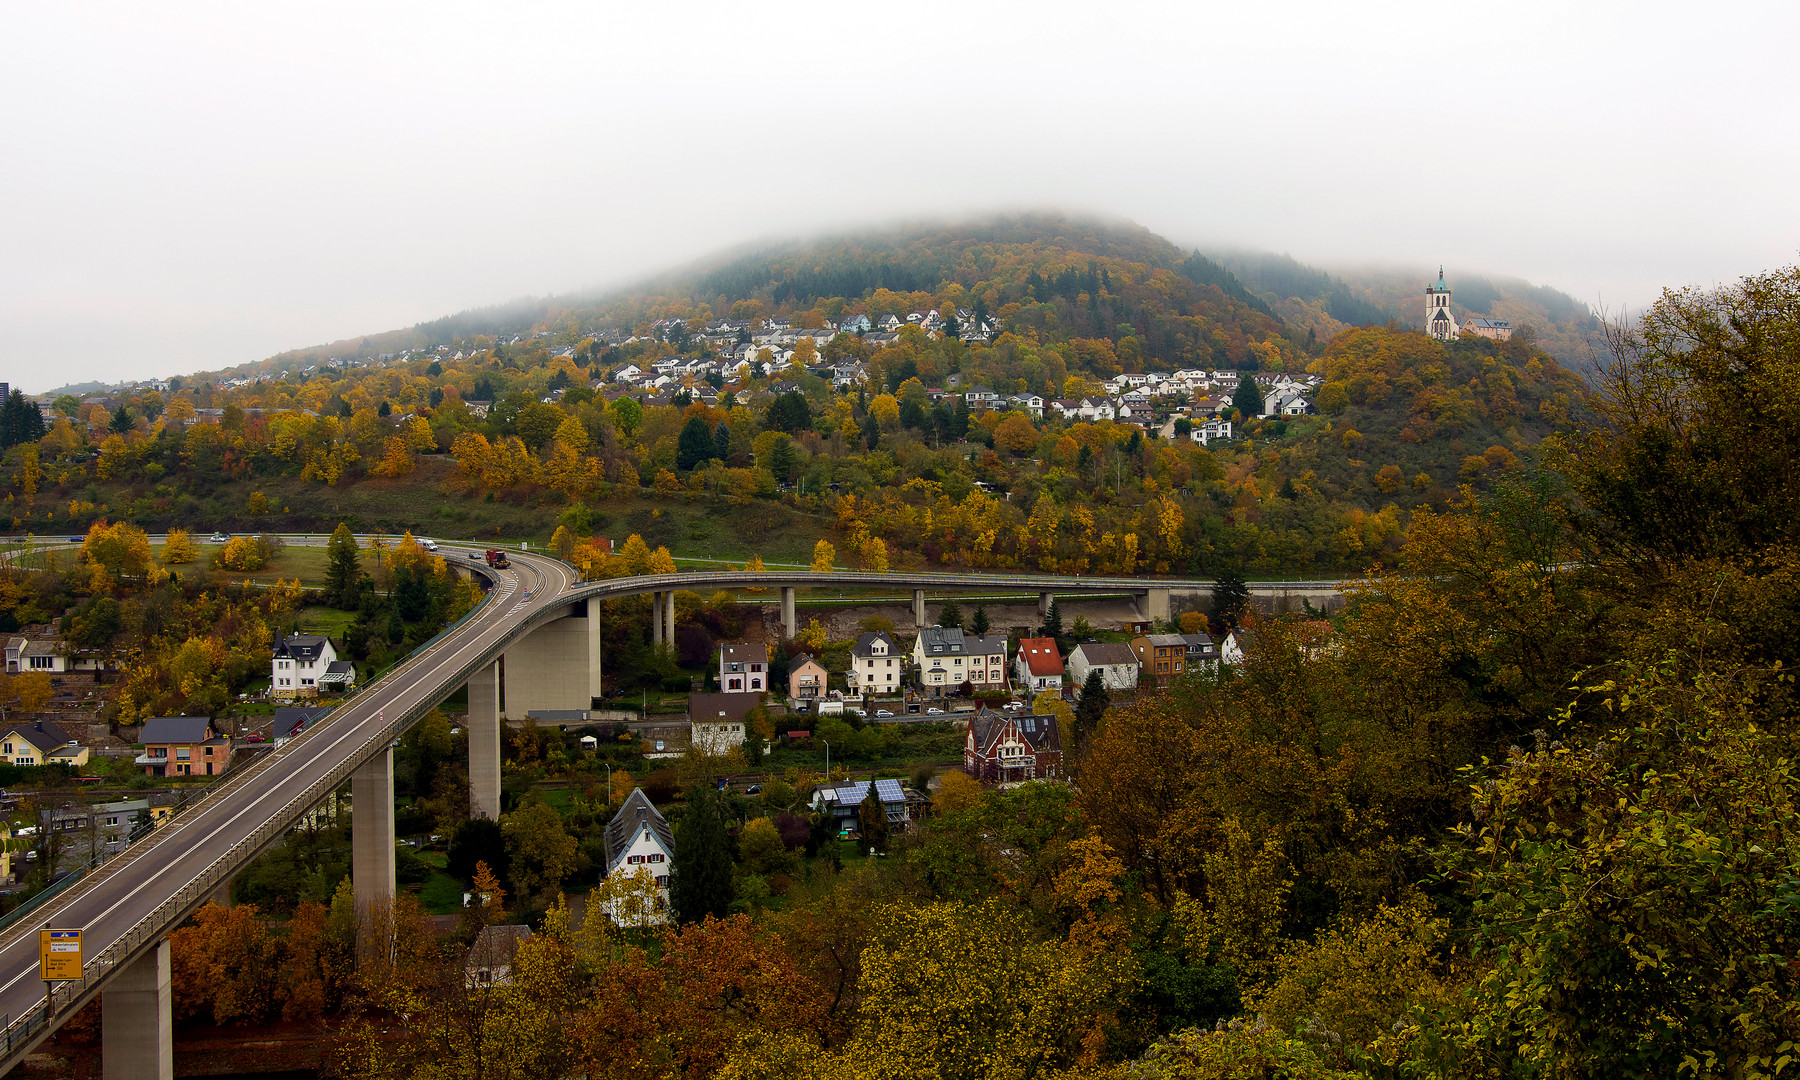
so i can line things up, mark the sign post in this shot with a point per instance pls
(59, 960)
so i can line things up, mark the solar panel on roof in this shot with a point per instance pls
(889, 791)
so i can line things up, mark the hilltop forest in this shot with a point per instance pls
(888, 470)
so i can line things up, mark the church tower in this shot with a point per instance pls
(1439, 323)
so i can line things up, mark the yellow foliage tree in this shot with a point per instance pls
(179, 549)
(957, 791)
(661, 562)
(823, 557)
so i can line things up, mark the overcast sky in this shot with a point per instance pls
(187, 186)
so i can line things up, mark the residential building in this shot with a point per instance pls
(806, 679)
(875, 664)
(183, 746)
(85, 832)
(1162, 658)
(1201, 651)
(945, 658)
(291, 720)
(1001, 748)
(843, 801)
(1496, 329)
(717, 720)
(1038, 665)
(303, 664)
(40, 742)
(25, 655)
(1117, 664)
(491, 958)
(638, 838)
(743, 667)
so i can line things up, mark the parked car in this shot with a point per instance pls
(884, 712)
(753, 789)
(1014, 706)
(934, 711)
(254, 736)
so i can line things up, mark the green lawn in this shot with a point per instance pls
(441, 894)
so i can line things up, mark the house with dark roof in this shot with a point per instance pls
(743, 667)
(717, 722)
(291, 720)
(639, 841)
(490, 959)
(304, 664)
(1162, 658)
(842, 802)
(945, 658)
(183, 746)
(1001, 748)
(875, 664)
(1117, 664)
(40, 742)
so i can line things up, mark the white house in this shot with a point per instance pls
(1117, 664)
(639, 842)
(717, 721)
(743, 667)
(490, 959)
(305, 663)
(24, 655)
(1038, 665)
(875, 665)
(946, 658)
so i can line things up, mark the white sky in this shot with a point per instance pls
(185, 186)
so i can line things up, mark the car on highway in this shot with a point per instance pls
(427, 544)
(934, 711)
(475, 556)
(219, 538)
(884, 712)
(77, 539)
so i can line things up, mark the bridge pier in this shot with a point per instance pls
(1044, 601)
(787, 611)
(552, 667)
(484, 743)
(372, 850)
(669, 619)
(918, 608)
(137, 1039)
(1154, 603)
(656, 622)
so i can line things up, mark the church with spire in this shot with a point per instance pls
(1439, 323)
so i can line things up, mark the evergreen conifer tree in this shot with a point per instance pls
(700, 881)
(950, 615)
(342, 572)
(978, 622)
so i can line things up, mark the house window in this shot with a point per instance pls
(183, 753)
(43, 661)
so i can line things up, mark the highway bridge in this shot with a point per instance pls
(539, 624)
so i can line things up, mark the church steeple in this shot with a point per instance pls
(1439, 322)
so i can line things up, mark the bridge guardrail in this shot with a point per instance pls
(190, 894)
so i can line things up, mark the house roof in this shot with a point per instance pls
(888, 791)
(1167, 639)
(46, 735)
(865, 643)
(301, 647)
(176, 729)
(1095, 653)
(801, 661)
(951, 641)
(635, 815)
(1040, 654)
(717, 708)
(743, 652)
(1038, 730)
(496, 946)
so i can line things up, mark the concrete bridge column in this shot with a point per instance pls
(484, 743)
(372, 849)
(137, 1040)
(1044, 601)
(656, 625)
(787, 611)
(918, 607)
(595, 688)
(669, 618)
(1154, 603)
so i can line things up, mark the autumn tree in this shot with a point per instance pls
(178, 548)
(823, 556)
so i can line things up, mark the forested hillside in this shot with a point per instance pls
(1330, 302)
(595, 414)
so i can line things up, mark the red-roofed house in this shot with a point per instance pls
(1038, 665)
